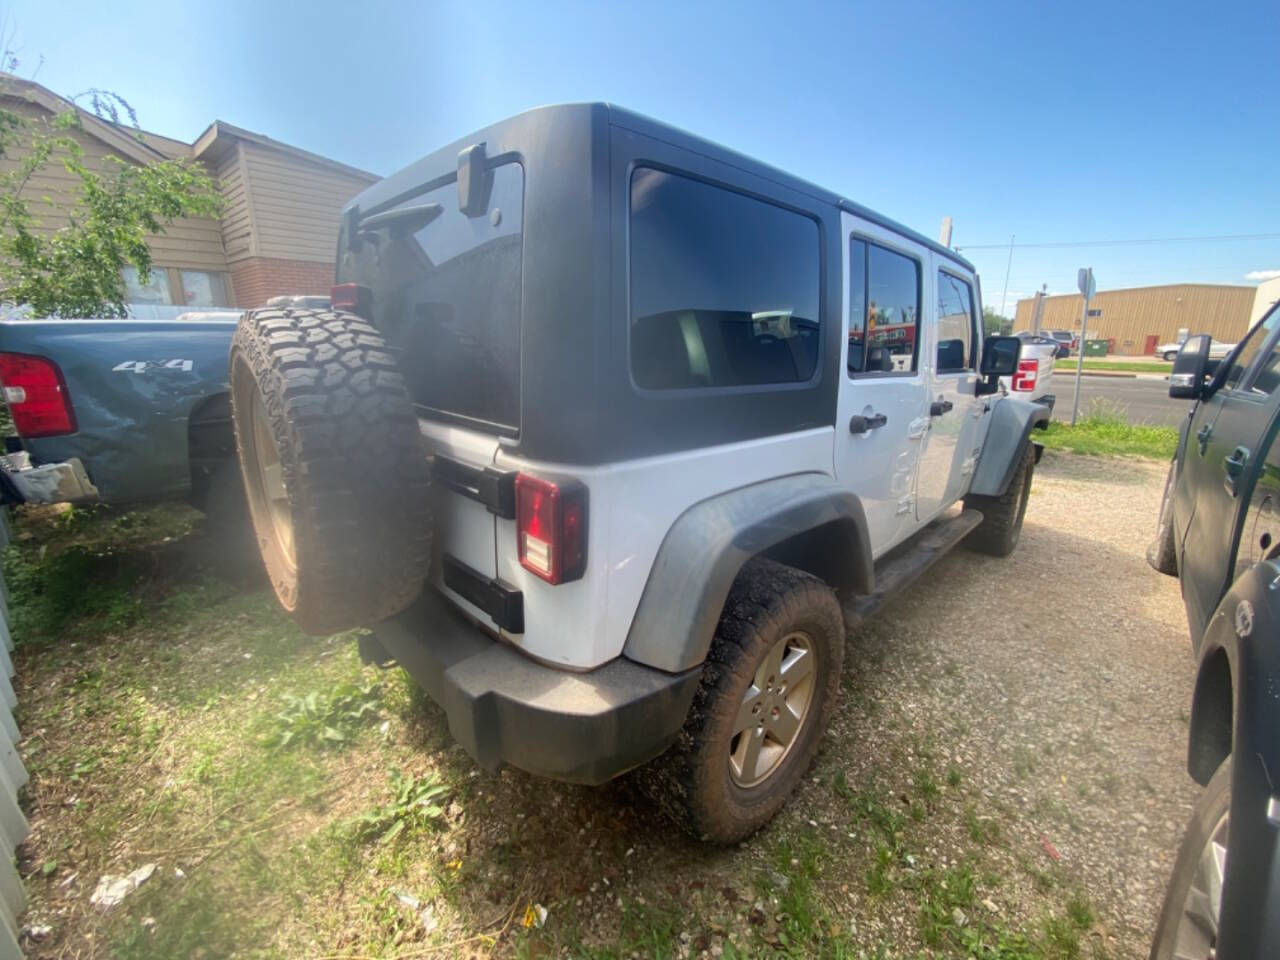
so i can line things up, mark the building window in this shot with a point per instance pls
(724, 288)
(200, 288)
(154, 291)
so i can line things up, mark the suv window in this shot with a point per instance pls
(1253, 342)
(884, 309)
(724, 288)
(955, 324)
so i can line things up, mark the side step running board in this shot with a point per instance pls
(902, 565)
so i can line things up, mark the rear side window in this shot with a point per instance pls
(1253, 342)
(884, 309)
(955, 324)
(724, 287)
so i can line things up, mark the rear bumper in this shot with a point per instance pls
(48, 483)
(1048, 400)
(507, 709)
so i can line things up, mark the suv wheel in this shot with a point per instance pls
(333, 466)
(767, 693)
(1162, 554)
(1001, 524)
(1188, 924)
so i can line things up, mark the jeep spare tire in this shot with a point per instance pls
(333, 466)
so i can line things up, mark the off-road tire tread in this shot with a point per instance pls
(687, 782)
(1001, 525)
(353, 461)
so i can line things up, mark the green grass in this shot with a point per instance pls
(1104, 432)
(1116, 366)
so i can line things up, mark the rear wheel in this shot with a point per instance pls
(1002, 516)
(1188, 924)
(334, 472)
(767, 693)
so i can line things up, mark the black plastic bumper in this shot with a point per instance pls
(505, 708)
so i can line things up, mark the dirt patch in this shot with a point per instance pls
(1003, 777)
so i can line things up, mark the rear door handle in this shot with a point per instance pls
(939, 407)
(1235, 466)
(860, 424)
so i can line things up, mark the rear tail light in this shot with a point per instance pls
(351, 297)
(551, 528)
(1025, 378)
(37, 395)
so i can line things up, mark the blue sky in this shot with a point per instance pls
(1115, 121)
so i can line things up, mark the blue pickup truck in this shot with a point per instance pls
(120, 411)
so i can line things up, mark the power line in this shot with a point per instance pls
(1120, 243)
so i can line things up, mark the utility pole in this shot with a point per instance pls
(1084, 280)
(1005, 296)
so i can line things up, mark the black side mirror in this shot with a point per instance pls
(999, 359)
(1186, 382)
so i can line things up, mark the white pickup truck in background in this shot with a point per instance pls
(1035, 367)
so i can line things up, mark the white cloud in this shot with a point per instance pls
(1257, 276)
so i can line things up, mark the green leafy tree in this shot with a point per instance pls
(76, 270)
(993, 323)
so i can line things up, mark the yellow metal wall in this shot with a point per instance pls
(1130, 316)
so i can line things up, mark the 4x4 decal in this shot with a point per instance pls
(143, 366)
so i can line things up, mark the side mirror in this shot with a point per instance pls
(1186, 382)
(999, 359)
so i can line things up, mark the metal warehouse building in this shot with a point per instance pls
(1138, 319)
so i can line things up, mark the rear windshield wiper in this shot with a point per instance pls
(409, 219)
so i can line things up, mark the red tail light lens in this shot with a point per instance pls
(37, 395)
(551, 528)
(352, 297)
(1025, 378)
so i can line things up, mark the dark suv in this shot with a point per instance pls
(1219, 532)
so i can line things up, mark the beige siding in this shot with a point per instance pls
(194, 243)
(1130, 317)
(295, 204)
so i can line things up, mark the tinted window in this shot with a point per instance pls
(884, 309)
(1253, 342)
(448, 295)
(724, 288)
(1267, 379)
(955, 324)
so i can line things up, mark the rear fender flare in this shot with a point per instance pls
(706, 547)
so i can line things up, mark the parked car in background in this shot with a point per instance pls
(1219, 532)
(1065, 340)
(122, 411)
(1035, 367)
(1217, 350)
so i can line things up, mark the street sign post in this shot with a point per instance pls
(1084, 280)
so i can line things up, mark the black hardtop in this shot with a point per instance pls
(515, 135)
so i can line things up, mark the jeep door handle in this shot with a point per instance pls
(939, 407)
(860, 424)
(1203, 437)
(1235, 465)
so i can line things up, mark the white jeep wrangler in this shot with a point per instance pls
(611, 434)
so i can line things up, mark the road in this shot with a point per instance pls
(1142, 399)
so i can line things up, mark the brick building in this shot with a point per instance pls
(278, 228)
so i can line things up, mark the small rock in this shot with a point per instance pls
(958, 917)
(112, 888)
(991, 907)
(36, 931)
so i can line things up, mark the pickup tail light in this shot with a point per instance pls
(1025, 378)
(551, 528)
(353, 298)
(37, 396)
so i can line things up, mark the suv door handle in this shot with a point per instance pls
(1203, 437)
(939, 407)
(1235, 465)
(861, 424)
